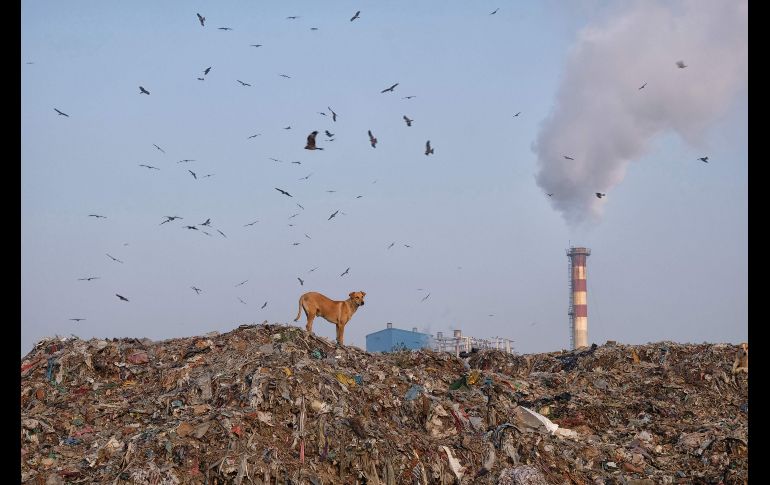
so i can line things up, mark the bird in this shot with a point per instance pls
(313, 28)
(599, 195)
(428, 149)
(517, 114)
(254, 136)
(332, 216)
(208, 175)
(426, 297)
(549, 195)
(301, 282)
(311, 142)
(308, 236)
(239, 299)
(568, 158)
(197, 290)
(680, 64)
(192, 228)
(61, 113)
(300, 206)
(206, 71)
(322, 113)
(263, 306)
(293, 215)
(328, 133)
(287, 127)
(114, 258)
(250, 224)
(159, 148)
(408, 121)
(243, 83)
(193, 174)
(255, 45)
(389, 89)
(345, 272)
(642, 86)
(331, 191)
(408, 97)
(391, 244)
(492, 13)
(355, 16)
(284, 75)
(121, 297)
(306, 176)
(97, 216)
(275, 159)
(201, 19)
(294, 243)
(334, 118)
(704, 159)
(407, 246)
(185, 160)
(222, 233)
(293, 17)
(241, 283)
(372, 139)
(359, 196)
(77, 319)
(148, 166)
(283, 192)
(200, 79)
(224, 28)
(143, 91)
(207, 223)
(300, 163)
(313, 269)
(169, 219)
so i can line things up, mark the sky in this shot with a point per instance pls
(464, 238)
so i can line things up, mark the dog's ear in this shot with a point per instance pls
(351, 294)
(363, 293)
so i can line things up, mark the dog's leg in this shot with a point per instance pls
(310, 317)
(340, 334)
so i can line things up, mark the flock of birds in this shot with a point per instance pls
(311, 144)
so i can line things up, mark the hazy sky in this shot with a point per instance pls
(669, 241)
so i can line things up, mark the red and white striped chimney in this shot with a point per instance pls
(578, 308)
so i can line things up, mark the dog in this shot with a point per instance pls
(336, 312)
(741, 363)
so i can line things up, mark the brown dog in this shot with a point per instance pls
(336, 312)
(741, 363)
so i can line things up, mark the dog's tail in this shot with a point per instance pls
(299, 312)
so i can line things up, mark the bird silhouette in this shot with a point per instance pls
(206, 71)
(294, 243)
(599, 195)
(293, 215)
(408, 97)
(263, 306)
(332, 216)
(185, 160)
(680, 64)
(254, 136)
(408, 121)
(148, 166)
(293, 17)
(239, 299)
(328, 133)
(568, 158)
(208, 175)
(359, 196)
(334, 118)
(517, 114)
(61, 113)
(407, 246)
(114, 258)
(201, 19)
(197, 290)
(159, 148)
(308, 236)
(284, 75)
(492, 13)
(283, 192)
(313, 269)
(301, 282)
(300, 206)
(306, 176)
(372, 139)
(200, 79)
(426, 297)
(192, 228)
(143, 91)
(355, 16)
(311, 142)
(549, 195)
(428, 149)
(345, 272)
(193, 174)
(89, 278)
(389, 89)
(642, 86)
(222, 233)
(241, 283)
(313, 28)
(77, 319)
(97, 216)
(224, 28)
(243, 83)
(391, 244)
(207, 223)
(169, 219)
(252, 223)
(121, 297)
(287, 127)
(704, 159)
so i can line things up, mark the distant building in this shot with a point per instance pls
(392, 339)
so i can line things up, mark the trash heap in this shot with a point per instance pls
(270, 404)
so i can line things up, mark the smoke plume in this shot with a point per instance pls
(603, 120)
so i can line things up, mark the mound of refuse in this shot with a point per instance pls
(271, 404)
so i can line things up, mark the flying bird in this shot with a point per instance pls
(185, 160)
(143, 91)
(408, 97)
(300, 163)
(148, 166)
(294, 243)
(408, 121)
(599, 195)
(114, 258)
(284, 75)
(306, 176)
(169, 219)
(283, 192)
(61, 113)
(254, 136)
(426, 297)
(549, 195)
(308, 236)
(328, 133)
(301, 282)
(704, 159)
(300, 206)
(642, 86)
(192, 228)
(492, 13)
(391, 244)
(313, 269)
(200, 79)
(89, 278)
(330, 191)
(224, 28)
(517, 114)
(193, 174)
(372, 139)
(332, 216)
(206, 71)
(159, 148)
(197, 290)
(311, 142)
(334, 118)
(243, 83)
(250, 224)
(407, 246)
(97, 216)
(239, 299)
(263, 306)
(428, 149)
(201, 19)
(241, 283)
(293, 17)
(275, 160)
(346, 272)
(287, 127)
(389, 89)
(209, 175)
(355, 16)
(222, 233)
(568, 158)
(77, 319)
(121, 297)
(293, 215)
(207, 223)
(313, 28)
(680, 64)
(359, 196)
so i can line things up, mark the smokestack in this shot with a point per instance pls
(390, 324)
(414, 329)
(578, 297)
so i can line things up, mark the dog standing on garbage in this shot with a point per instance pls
(336, 312)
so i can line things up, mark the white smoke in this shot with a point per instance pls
(601, 117)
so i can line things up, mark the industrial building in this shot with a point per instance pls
(392, 339)
(578, 297)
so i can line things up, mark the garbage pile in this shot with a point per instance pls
(270, 404)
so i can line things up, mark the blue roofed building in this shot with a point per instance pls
(392, 339)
